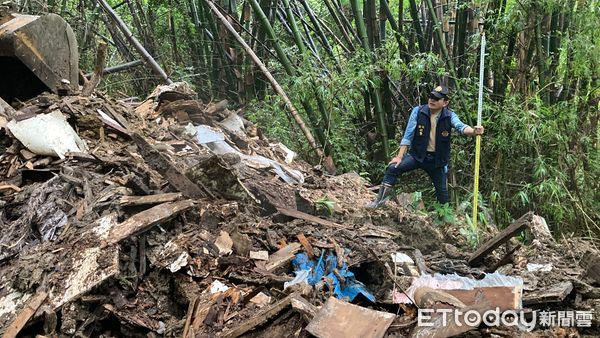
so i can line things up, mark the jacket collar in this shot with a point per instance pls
(444, 113)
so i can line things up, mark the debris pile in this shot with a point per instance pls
(175, 217)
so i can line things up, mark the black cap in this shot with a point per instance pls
(441, 92)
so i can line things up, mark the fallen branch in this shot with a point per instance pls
(89, 86)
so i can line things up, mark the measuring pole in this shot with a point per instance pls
(478, 137)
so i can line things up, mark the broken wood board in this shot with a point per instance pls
(146, 219)
(160, 163)
(32, 305)
(261, 255)
(150, 199)
(303, 306)
(306, 244)
(261, 317)
(503, 297)
(200, 307)
(552, 294)
(338, 319)
(310, 218)
(500, 238)
(280, 257)
(89, 266)
(135, 318)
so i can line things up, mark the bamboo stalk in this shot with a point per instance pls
(318, 29)
(414, 13)
(361, 30)
(341, 26)
(292, 110)
(440, 37)
(395, 27)
(136, 44)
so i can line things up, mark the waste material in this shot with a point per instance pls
(337, 277)
(159, 232)
(47, 134)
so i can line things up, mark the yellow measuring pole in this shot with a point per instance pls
(478, 137)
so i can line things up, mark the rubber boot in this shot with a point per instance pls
(386, 192)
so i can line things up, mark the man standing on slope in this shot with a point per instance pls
(428, 135)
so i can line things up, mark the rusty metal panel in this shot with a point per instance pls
(46, 45)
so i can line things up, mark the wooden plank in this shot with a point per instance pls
(306, 244)
(282, 256)
(161, 164)
(261, 317)
(150, 199)
(307, 217)
(553, 294)
(303, 306)
(30, 308)
(86, 272)
(136, 318)
(146, 219)
(340, 319)
(501, 238)
(503, 297)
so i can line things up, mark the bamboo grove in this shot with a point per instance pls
(335, 80)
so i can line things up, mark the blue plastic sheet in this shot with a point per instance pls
(326, 264)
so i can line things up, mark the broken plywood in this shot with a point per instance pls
(15, 327)
(150, 199)
(338, 319)
(146, 219)
(89, 266)
(282, 256)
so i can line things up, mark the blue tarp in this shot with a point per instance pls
(317, 269)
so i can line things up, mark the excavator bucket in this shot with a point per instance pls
(37, 54)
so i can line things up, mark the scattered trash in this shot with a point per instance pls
(301, 277)
(217, 286)
(47, 134)
(260, 299)
(192, 226)
(533, 267)
(400, 258)
(505, 292)
(224, 243)
(215, 141)
(343, 281)
(259, 255)
(180, 262)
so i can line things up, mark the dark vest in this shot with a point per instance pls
(443, 134)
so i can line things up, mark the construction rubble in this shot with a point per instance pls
(176, 217)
